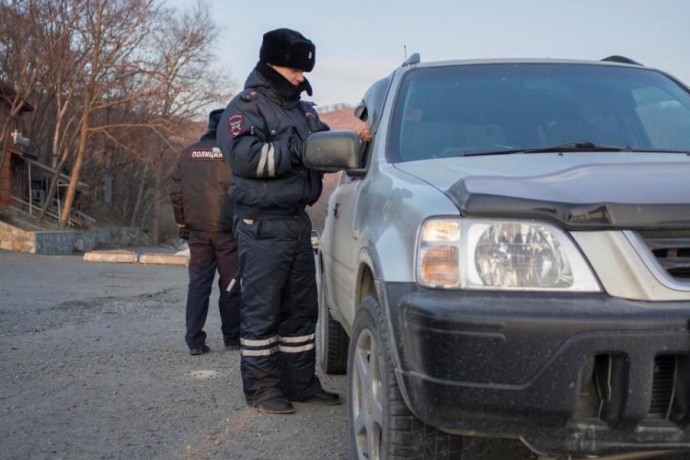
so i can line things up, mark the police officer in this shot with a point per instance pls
(263, 134)
(204, 212)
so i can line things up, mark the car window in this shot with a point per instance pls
(369, 110)
(452, 110)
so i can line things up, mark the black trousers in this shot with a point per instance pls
(279, 308)
(210, 252)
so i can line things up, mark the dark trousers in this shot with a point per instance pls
(279, 308)
(208, 252)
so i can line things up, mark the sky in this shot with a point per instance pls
(358, 41)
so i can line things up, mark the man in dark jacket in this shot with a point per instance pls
(263, 133)
(204, 212)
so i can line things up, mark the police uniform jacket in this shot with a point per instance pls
(263, 132)
(200, 184)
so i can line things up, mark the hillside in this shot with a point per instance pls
(340, 119)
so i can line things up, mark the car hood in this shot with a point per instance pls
(581, 189)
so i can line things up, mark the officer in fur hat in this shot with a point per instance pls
(204, 211)
(263, 136)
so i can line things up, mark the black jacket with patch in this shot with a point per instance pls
(262, 133)
(199, 192)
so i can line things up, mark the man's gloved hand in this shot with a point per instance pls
(183, 232)
(298, 148)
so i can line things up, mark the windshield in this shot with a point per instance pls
(490, 108)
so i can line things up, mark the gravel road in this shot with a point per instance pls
(94, 366)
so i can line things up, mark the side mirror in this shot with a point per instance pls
(332, 151)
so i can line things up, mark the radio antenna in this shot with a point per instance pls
(405, 52)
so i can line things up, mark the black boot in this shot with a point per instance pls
(322, 397)
(268, 401)
(199, 350)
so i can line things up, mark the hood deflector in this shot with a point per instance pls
(572, 216)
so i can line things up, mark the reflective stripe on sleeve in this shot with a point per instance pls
(272, 162)
(262, 161)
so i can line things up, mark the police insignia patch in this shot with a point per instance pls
(235, 124)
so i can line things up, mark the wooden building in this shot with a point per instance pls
(13, 181)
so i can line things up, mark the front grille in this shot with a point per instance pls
(671, 249)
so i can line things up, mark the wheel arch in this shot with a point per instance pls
(371, 282)
(366, 284)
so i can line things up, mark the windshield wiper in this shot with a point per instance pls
(571, 147)
(579, 147)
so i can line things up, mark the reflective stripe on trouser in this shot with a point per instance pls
(279, 307)
(208, 252)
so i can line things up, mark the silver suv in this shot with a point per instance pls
(510, 257)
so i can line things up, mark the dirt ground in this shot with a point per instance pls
(93, 365)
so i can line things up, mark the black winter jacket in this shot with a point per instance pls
(200, 185)
(262, 133)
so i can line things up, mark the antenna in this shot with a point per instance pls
(405, 52)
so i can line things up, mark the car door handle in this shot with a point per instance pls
(335, 210)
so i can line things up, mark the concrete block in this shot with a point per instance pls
(118, 255)
(165, 259)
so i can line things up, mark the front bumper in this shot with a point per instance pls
(586, 374)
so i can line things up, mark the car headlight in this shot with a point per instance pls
(500, 254)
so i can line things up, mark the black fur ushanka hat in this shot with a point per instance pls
(214, 119)
(288, 48)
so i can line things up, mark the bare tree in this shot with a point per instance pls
(186, 81)
(115, 83)
(108, 33)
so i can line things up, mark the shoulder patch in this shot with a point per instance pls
(235, 124)
(249, 94)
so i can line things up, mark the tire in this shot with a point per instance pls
(331, 339)
(381, 426)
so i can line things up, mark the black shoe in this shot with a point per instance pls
(323, 397)
(274, 406)
(199, 350)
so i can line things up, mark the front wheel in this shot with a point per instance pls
(381, 425)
